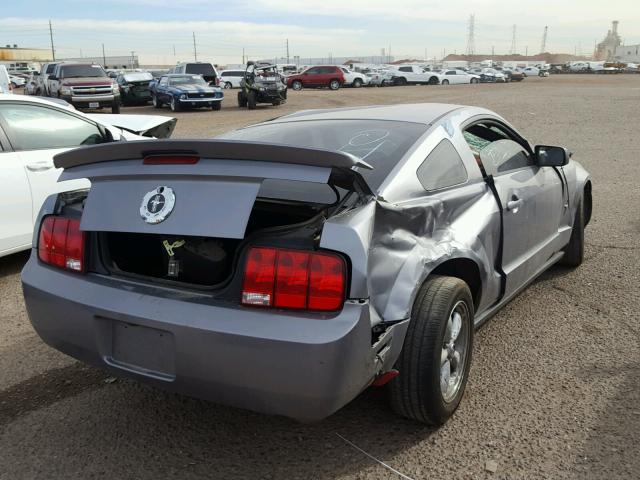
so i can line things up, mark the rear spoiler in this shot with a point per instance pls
(209, 149)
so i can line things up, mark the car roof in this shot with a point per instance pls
(29, 99)
(425, 113)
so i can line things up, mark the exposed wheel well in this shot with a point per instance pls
(467, 271)
(588, 203)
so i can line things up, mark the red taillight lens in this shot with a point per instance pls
(294, 279)
(61, 243)
(259, 277)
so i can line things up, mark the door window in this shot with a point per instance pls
(32, 127)
(451, 72)
(164, 81)
(495, 149)
(405, 69)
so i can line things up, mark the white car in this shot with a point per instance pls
(530, 71)
(17, 82)
(491, 75)
(231, 78)
(5, 82)
(354, 79)
(32, 131)
(411, 74)
(457, 77)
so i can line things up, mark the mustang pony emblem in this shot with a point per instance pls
(157, 205)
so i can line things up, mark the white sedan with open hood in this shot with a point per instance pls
(32, 131)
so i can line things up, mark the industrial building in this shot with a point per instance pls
(115, 62)
(628, 53)
(606, 49)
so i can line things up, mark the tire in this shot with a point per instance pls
(401, 81)
(574, 251)
(216, 106)
(228, 85)
(433, 81)
(296, 85)
(334, 84)
(155, 102)
(175, 106)
(444, 82)
(357, 83)
(115, 107)
(251, 100)
(474, 80)
(242, 99)
(276, 103)
(417, 392)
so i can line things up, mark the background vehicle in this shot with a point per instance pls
(32, 131)
(204, 69)
(491, 75)
(5, 82)
(261, 84)
(180, 91)
(283, 270)
(411, 75)
(231, 78)
(354, 79)
(511, 75)
(321, 76)
(17, 82)
(84, 85)
(457, 77)
(134, 87)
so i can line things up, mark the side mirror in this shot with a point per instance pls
(548, 156)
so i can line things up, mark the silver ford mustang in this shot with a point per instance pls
(287, 266)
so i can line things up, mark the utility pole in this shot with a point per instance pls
(174, 52)
(512, 50)
(287, 50)
(133, 54)
(195, 51)
(104, 58)
(526, 51)
(53, 50)
(242, 55)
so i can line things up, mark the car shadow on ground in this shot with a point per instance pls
(12, 264)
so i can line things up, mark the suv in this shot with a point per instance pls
(207, 70)
(411, 75)
(319, 76)
(354, 79)
(84, 85)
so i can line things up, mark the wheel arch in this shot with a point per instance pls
(466, 270)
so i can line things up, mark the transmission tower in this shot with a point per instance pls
(512, 50)
(543, 47)
(471, 39)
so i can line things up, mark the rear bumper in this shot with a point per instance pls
(301, 366)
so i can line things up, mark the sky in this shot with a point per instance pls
(161, 31)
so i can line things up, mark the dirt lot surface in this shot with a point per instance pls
(555, 384)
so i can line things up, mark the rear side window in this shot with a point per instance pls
(32, 127)
(200, 69)
(405, 69)
(442, 168)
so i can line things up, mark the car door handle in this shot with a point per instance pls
(39, 166)
(514, 205)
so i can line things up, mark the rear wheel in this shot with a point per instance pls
(401, 81)
(227, 85)
(445, 82)
(357, 83)
(433, 81)
(574, 251)
(474, 80)
(251, 100)
(242, 99)
(155, 102)
(334, 84)
(436, 356)
(115, 107)
(296, 85)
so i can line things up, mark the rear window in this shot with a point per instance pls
(380, 143)
(200, 69)
(77, 71)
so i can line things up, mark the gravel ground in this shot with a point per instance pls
(555, 384)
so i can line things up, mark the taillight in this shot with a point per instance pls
(294, 279)
(170, 160)
(61, 243)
